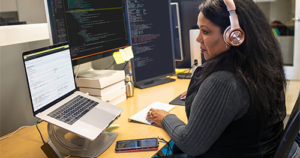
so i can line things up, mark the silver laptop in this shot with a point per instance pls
(54, 97)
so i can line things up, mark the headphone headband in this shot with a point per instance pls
(230, 5)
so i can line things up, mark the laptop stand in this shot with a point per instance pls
(71, 144)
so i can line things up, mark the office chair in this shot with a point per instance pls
(290, 132)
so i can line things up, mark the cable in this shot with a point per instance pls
(171, 76)
(111, 65)
(125, 65)
(169, 147)
(14, 132)
(195, 64)
(189, 70)
(39, 130)
(77, 71)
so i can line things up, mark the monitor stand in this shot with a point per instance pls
(82, 68)
(154, 82)
(70, 144)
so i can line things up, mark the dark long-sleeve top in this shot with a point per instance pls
(221, 99)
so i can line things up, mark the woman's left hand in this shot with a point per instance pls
(156, 115)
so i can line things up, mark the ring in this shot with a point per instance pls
(150, 112)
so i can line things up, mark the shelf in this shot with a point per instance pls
(23, 33)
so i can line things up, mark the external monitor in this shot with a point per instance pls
(188, 12)
(178, 54)
(152, 42)
(94, 29)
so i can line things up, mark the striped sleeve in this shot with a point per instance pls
(216, 104)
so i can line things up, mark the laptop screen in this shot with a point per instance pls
(49, 74)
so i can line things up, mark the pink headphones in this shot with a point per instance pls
(233, 35)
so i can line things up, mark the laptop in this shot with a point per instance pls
(54, 97)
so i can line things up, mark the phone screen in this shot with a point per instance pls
(149, 142)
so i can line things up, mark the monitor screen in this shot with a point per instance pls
(151, 38)
(94, 29)
(49, 74)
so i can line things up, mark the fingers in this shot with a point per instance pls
(184, 94)
(151, 112)
(150, 117)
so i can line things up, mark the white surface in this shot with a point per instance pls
(23, 33)
(141, 115)
(99, 78)
(293, 72)
(195, 48)
(118, 100)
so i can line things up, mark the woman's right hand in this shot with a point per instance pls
(183, 95)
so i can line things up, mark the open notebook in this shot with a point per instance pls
(141, 115)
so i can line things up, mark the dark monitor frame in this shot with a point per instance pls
(188, 11)
(97, 55)
(178, 53)
(160, 79)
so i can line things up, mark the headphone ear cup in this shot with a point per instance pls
(234, 37)
(226, 35)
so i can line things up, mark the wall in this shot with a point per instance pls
(15, 109)
(8, 11)
(8, 5)
(29, 12)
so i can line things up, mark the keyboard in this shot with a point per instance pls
(73, 110)
(141, 115)
(184, 75)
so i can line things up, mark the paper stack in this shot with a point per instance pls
(107, 85)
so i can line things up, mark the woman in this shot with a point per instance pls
(235, 105)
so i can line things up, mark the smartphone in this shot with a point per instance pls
(136, 145)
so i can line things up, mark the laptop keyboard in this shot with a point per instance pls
(73, 110)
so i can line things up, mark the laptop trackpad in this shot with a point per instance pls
(98, 118)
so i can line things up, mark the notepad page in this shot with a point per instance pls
(141, 115)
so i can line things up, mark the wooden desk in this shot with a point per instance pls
(27, 141)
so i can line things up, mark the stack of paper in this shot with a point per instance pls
(107, 85)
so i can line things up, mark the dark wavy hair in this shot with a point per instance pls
(258, 61)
